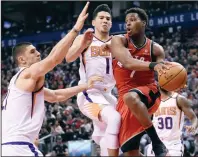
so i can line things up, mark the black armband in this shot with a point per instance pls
(152, 65)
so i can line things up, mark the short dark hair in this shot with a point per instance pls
(18, 49)
(102, 7)
(141, 13)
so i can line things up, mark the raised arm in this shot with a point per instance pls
(59, 51)
(64, 94)
(79, 45)
(185, 106)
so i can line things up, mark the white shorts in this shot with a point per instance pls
(173, 149)
(20, 149)
(91, 103)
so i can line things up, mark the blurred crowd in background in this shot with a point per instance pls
(64, 122)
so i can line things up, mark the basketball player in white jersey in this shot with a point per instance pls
(98, 104)
(168, 121)
(23, 108)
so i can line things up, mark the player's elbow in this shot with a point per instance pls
(128, 65)
(52, 100)
(68, 59)
(53, 61)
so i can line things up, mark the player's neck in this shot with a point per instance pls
(102, 36)
(166, 95)
(138, 40)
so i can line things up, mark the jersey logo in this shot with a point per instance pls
(166, 111)
(139, 58)
(119, 64)
(97, 51)
(145, 52)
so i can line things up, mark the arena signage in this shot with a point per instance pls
(169, 20)
(186, 19)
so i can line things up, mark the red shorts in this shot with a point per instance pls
(131, 130)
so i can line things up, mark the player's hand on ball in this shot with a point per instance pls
(92, 80)
(87, 38)
(81, 18)
(191, 129)
(161, 68)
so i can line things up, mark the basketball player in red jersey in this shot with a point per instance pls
(139, 96)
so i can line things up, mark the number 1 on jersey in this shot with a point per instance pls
(107, 65)
(132, 74)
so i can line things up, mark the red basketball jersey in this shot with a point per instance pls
(128, 79)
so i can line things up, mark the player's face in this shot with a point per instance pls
(102, 22)
(31, 55)
(134, 25)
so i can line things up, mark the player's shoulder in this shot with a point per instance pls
(182, 100)
(181, 97)
(157, 46)
(119, 36)
(122, 38)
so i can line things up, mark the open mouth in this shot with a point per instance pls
(128, 30)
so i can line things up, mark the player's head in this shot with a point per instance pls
(25, 54)
(102, 20)
(136, 21)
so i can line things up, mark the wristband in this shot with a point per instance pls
(75, 30)
(152, 65)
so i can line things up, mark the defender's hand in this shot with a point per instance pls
(191, 129)
(87, 38)
(81, 19)
(92, 80)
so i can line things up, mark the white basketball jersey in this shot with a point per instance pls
(96, 62)
(168, 120)
(22, 113)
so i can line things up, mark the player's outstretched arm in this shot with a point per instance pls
(64, 94)
(60, 50)
(185, 105)
(79, 45)
(122, 54)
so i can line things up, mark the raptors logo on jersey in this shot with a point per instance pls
(94, 61)
(128, 79)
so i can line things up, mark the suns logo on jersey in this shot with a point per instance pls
(165, 111)
(97, 51)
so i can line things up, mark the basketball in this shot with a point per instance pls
(174, 78)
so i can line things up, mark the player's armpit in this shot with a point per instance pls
(158, 52)
(39, 69)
